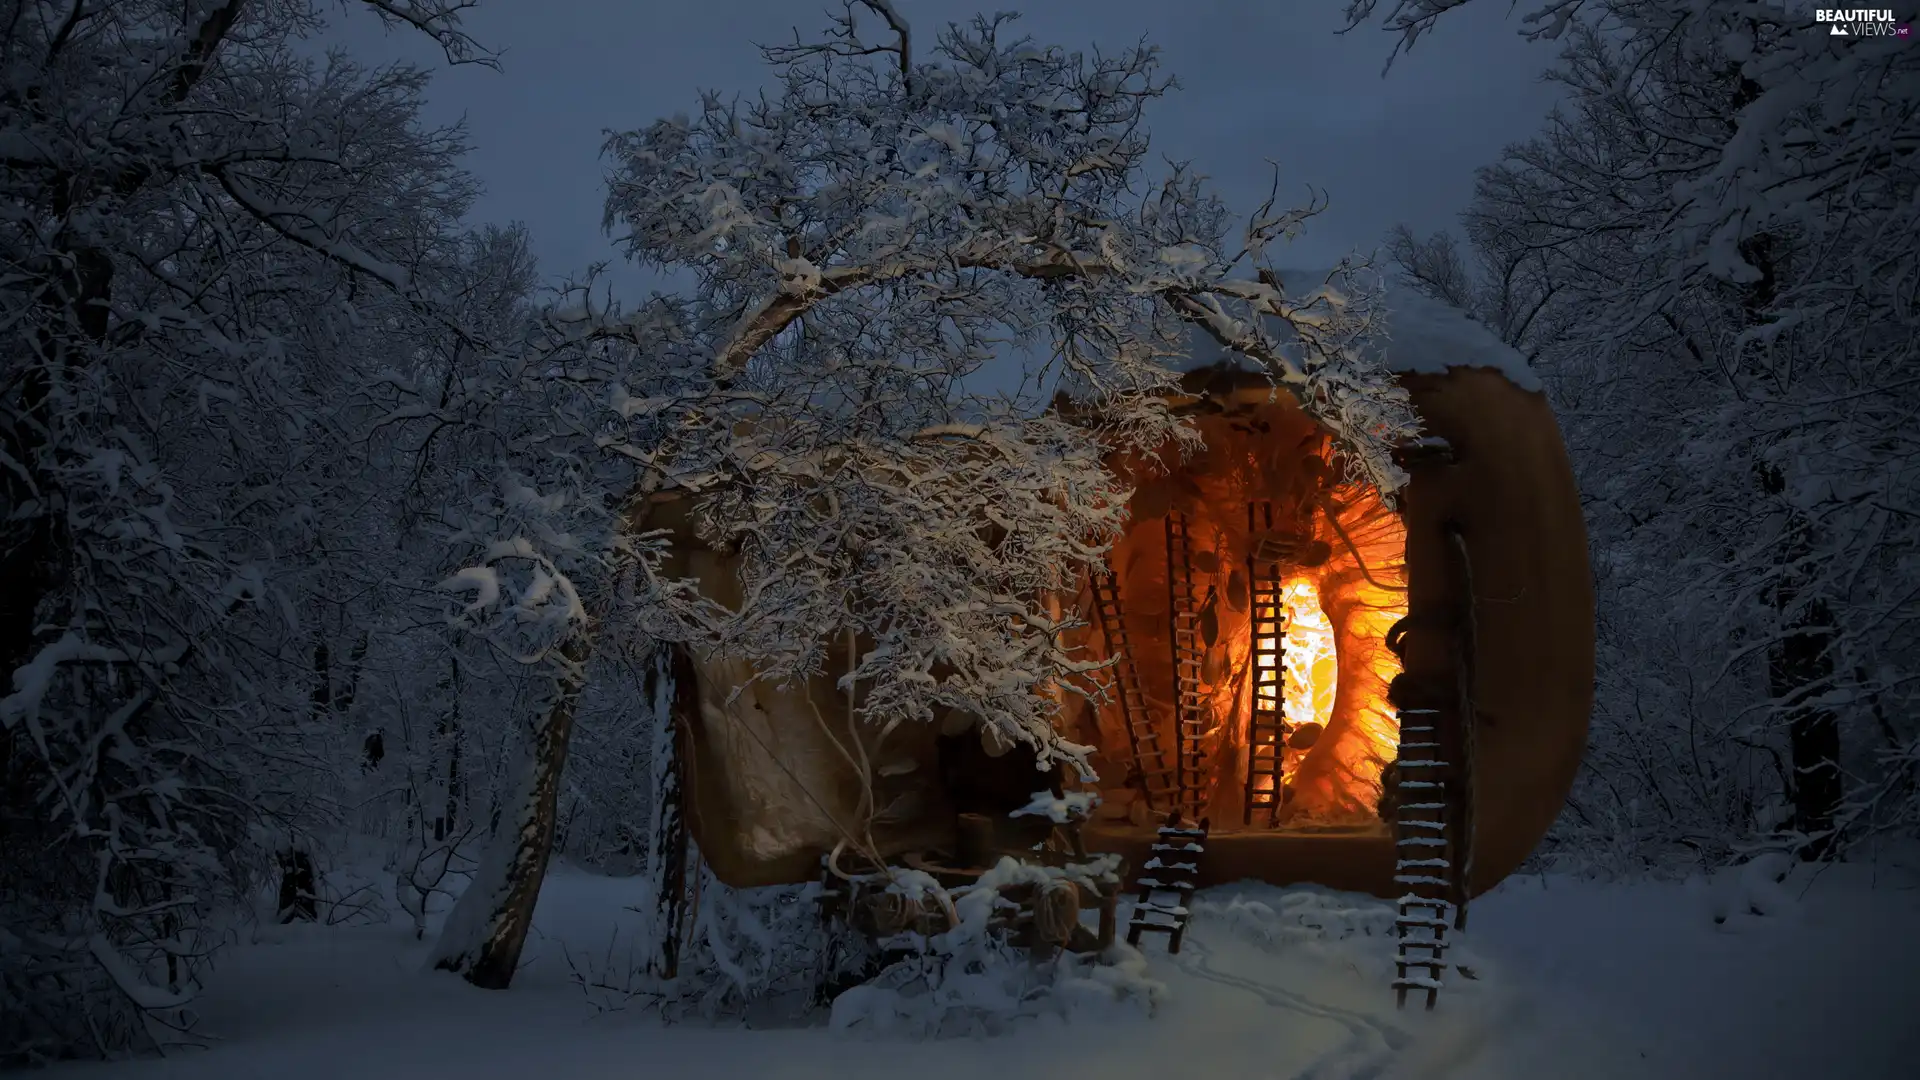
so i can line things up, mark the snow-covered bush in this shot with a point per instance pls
(743, 951)
(751, 949)
(970, 980)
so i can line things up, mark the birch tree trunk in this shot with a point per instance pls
(487, 928)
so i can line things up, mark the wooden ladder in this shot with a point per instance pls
(1152, 759)
(1167, 881)
(1189, 708)
(1432, 782)
(1267, 723)
(1423, 846)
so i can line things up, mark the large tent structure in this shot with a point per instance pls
(1335, 682)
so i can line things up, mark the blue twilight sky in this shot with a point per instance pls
(1260, 79)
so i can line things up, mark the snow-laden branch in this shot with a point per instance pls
(867, 237)
(440, 20)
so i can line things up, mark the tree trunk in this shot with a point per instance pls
(666, 851)
(322, 694)
(374, 747)
(1800, 666)
(299, 893)
(487, 929)
(38, 564)
(447, 734)
(350, 683)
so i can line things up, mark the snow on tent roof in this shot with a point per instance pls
(1420, 334)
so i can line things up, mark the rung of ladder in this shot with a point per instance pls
(1165, 885)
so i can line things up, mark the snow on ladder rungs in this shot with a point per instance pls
(1425, 844)
(1165, 886)
(1422, 929)
(1161, 904)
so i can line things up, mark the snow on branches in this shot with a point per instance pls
(209, 242)
(994, 187)
(874, 241)
(1713, 248)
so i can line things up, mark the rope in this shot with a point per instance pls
(1468, 642)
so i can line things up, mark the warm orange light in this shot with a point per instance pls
(1348, 604)
(1333, 620)
(1308, 648)
(1311, 667)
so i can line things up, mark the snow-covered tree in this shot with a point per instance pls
(1711, 251)
(210, 244)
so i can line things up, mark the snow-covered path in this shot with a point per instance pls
(1575, 981)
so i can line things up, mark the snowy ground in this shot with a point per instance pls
(1575, 980)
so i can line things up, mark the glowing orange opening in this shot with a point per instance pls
(1311, 664)
(1263, 482)
(1333, 673)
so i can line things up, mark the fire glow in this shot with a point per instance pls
(1312, 664)
(1335, 668)
(1296, 573)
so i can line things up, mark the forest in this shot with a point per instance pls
(334, 590)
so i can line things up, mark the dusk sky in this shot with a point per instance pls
(1259, 80)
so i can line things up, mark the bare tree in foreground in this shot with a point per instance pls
(870, 240)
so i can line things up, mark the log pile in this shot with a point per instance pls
(1039, 910)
